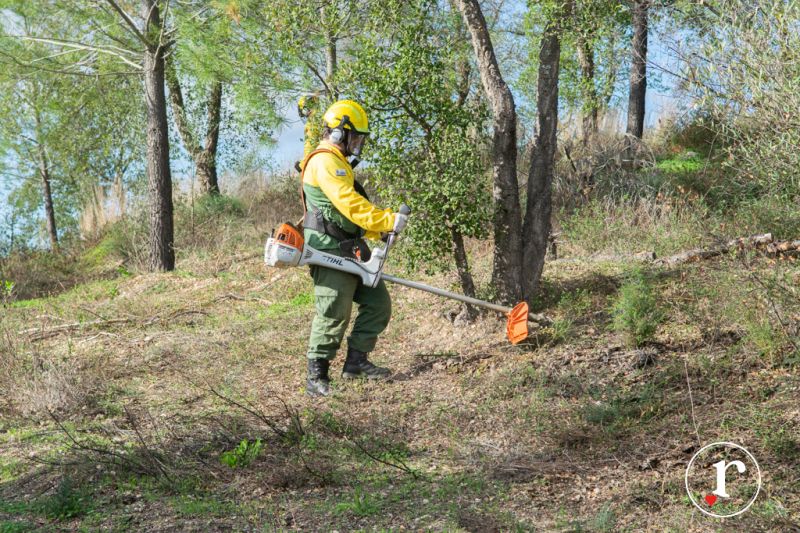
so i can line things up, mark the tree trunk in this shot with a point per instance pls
(536, 229)
(638, 80)
(462, 266)
(159, 178)
(507, 267)
(47, 195)
(204, 157)
(330, 66)
(49, 211)
(330, 53)
(588, 90)
(206, 163)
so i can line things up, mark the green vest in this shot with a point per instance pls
(315, 198)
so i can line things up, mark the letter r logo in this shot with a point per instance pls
(709, 478)
(722, 467)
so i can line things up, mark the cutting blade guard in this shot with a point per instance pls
(517, 325)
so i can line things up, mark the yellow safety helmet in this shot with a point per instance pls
(307, 104)
(348, 115)
(348, 125)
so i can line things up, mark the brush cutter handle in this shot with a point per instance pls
(404, 210)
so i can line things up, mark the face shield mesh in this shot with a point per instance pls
(355, 143)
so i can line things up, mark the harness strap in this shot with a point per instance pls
(314, 219)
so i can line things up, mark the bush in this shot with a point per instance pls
(635, 310)
(217, 205)
(245, 453)
(67, 502)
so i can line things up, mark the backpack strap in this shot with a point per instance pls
(303, 167)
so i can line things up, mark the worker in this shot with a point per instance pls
(307, 109)
(338, 217)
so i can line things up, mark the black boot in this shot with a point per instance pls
(357, 365)
(318, 383)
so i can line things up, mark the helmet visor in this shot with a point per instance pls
(355, 143)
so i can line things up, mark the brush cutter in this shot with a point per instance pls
(286, 248)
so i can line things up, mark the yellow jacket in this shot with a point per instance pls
(332, 174)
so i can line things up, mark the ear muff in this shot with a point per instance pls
(338, 133)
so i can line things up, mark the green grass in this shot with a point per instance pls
(9, 526)
(68, 501)
(636, 310)
(192, 506)
(617, 410)
(299, 302)
(359, 503)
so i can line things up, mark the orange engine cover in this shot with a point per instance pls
(289, 234)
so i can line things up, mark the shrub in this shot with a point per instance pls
(67, 502)
(635, 310)
(245, 453)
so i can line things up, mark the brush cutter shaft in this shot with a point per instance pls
(446, 294)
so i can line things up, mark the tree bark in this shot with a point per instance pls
(205, 156)
(159, 177)
(462, 266)
(638, 80)
(536, 229)
(206, 161)
(331, 55)
(49, 211)
(588, 90)
(507, 266)
(330, 65)
(47, 195)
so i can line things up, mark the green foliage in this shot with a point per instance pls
(360, 504)
(571, 306)
(603, 28)
(85, 129)
(217, 205)
(67, 502)
(748, 75)
(682, 164)
(6, 290)
(243, 455)
(619, 409)
(428, 130)
(635, 309)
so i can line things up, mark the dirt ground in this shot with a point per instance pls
(174, 402)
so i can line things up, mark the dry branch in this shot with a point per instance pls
(765, 242)
(699, 254)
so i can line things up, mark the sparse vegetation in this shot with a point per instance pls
(635, 310)
(142, 400)
(245, 453)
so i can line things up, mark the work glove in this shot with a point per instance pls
(400, 221)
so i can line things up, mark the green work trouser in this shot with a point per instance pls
(334, 294)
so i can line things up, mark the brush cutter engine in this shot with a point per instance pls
(286, 248)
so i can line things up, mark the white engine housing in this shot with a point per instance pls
(277, 254)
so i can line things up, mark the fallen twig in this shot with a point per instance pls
(698, 254)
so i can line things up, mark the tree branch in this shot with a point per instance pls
(82, 46)
(129, 22)
(179, 109)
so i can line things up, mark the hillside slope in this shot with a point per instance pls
(165, 402)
